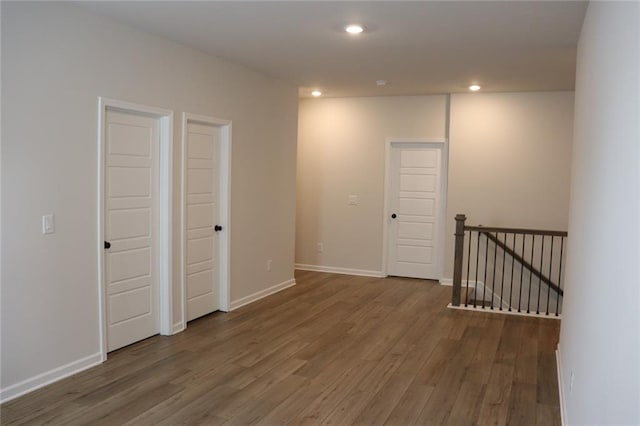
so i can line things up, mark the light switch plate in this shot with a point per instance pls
(353, 200)
(48, 224)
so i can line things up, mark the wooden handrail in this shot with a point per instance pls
(516, 256)
(481, 228)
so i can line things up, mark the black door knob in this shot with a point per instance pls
(217, 228)
(107, 245)
(393, 216)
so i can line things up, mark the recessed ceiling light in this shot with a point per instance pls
(316, 93)
(354, 29)
(474, 87)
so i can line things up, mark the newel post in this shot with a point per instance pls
(457, 262)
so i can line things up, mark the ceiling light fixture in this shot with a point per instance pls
(353, 29)
(316, 93)
(474, 87)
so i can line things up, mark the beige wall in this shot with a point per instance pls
(509, 165)
(509, 161)
(600, 333)
(341, 151)
(56, 60)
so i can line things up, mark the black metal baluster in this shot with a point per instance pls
(486, 258)
(475, 286)
(540, 283)
(533, 243)
(504, 254)
(521, 275)
(550, 268)
(560, 275)
(493, 280)
(466, 299)
(513, 262)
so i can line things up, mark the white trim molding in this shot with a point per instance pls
(443, 144)
(505, 305)
(48, 377)
(446, 281)
(224, 213)
(337, 270)
(475, 285)
(472, 284)
(563, 408)
(165, 118)
(261, 294)
(503, 311)
(178, 327)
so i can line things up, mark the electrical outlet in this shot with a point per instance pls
(353, 200)
(320, 247)
(571, 382)
(269, 265)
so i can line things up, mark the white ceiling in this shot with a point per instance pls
(419, 47)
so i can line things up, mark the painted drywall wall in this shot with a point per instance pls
(509, 165)
(56, 60)
(509, 161)
(600, 331)
(341, 152)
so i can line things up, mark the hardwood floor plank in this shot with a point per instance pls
(135, 406)
(495, 404)
(522, 406)
(410, 405)
(384, 401)
(438, 408)
(434, 367)
(526, 368)
(479, 367)
(129, 391)
(255, 410)
(547, 415)
(547, 384)
(466, 409)
(334, 349)
(340, 384)
(255, 390)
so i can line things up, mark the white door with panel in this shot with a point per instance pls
(131, 227)
(414, 210)
(202, 212)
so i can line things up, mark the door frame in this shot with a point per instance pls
(165, 170)
(224, 199)
(443, 144)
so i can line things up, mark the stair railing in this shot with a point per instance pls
(508, 269)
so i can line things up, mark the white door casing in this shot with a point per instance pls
(206, 198)
(134, 199)
(414, 194)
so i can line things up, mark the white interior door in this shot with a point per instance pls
(131, 227)
(202, 211)
(414, 210)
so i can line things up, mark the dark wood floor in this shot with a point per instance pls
(334, 349)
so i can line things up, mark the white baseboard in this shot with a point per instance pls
(178, 327)
(48, 377)
(563, 408)
(504, 311)
(337, 270)
(235, 304)
(472, 284)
